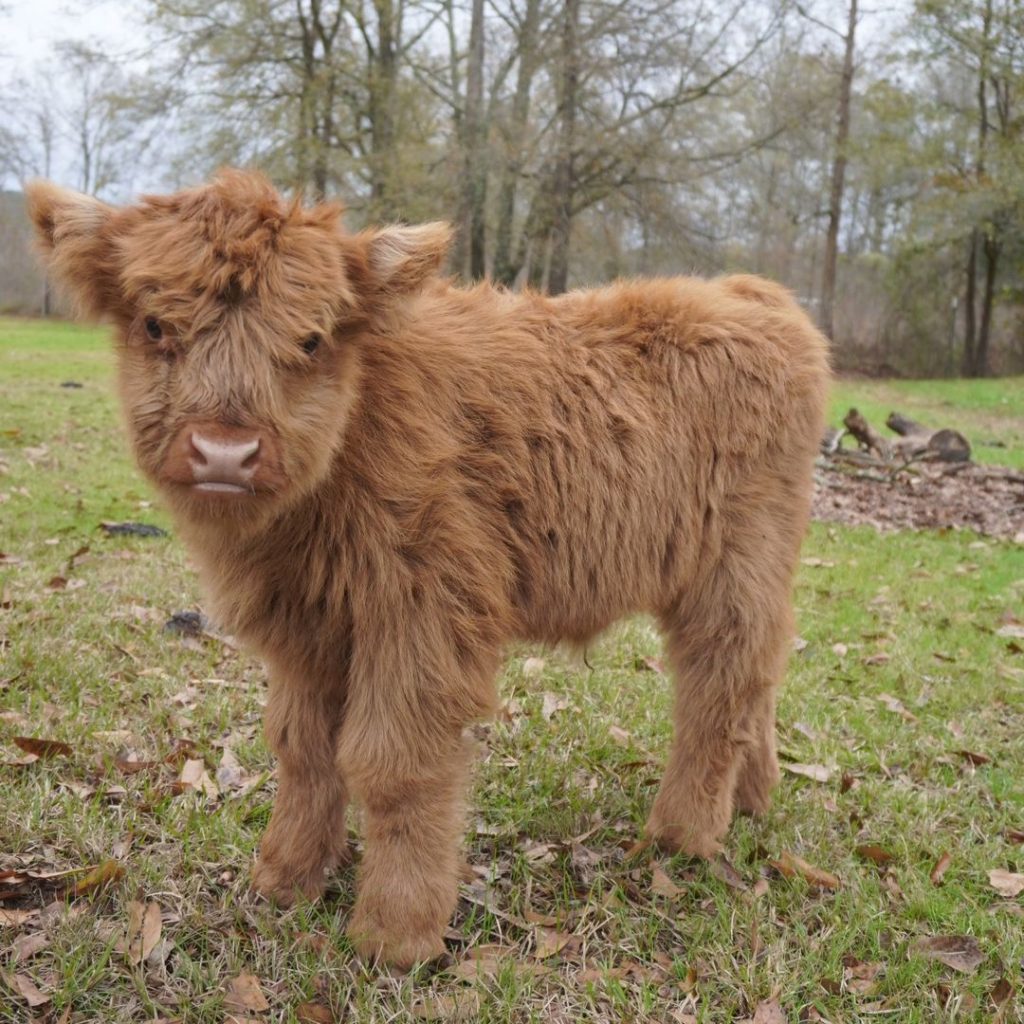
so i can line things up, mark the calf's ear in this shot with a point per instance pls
(401, 259)
(73, 234)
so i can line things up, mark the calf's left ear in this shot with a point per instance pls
(400, 259)
(73, 234)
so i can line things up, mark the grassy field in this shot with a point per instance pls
(903, 714)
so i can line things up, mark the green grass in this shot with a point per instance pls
(555, 801)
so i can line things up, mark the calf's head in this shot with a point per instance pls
(239, 318)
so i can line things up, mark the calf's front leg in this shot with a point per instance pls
(412, 799)
(306, 835)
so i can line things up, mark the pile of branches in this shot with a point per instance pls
(918, 479)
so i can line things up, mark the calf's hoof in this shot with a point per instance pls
(676, 838)
(285, 887)
(396, 947)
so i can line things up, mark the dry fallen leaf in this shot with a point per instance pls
(313, 1012)
(974, 757)
(244, 994)
(26, 988)
(549, 942)
(961, 952)
(1001, 992)
(533, 667)
(790, 865)
(1006, 883)
(25, 947)
(464, 1005)
(16, 918)
(143, 932)
(195, 776)
(619, 735)
(552, 703)
(869, 851)
(723, 870)
(662, 885)
(896, 706)
(767, 1012)
(817, 772)
(42, 748)
(940, 868)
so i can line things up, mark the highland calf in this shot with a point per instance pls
(385, 478)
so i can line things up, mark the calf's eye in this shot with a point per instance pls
(153, 328)
(311, 344)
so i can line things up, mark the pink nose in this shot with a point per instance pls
(223, 464)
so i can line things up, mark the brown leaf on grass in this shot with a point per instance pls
(143, 932)
(619, 735)
(860, 975)
(1001, 993)
(881, 658)
(42, 748)
(464, 1005)
(549, 942)
(723, 870)
(244, 994)
(483, 962)
(551, 705)
(26, 988)
(896, 706)
(662, 885)
(876, 854)
(651, 665)
(16, 918)
(229, 772)
(194, 776)
(769, 1012)
(1015, 835)
(107, 871)
(790, 865)
(533, 667)
(940, 868)
(961, 952)
(314, 1012)
(24, 947)
(1006, 883)
(816, 772)
(974, 757)
(57, 583)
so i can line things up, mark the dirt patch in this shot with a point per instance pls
(985, 499)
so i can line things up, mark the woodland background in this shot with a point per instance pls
(871, 158)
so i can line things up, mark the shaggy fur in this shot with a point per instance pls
(449, 470)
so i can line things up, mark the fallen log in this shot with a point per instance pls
(866, 434)
(918, 442)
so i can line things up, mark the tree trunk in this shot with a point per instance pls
(383, 84)
(975, 362)
(469, 258)
(564, 183)
(991, 251)
(835, 207)
(970, 317)
(507, 269)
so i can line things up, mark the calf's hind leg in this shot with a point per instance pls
(727, 644)
(307, 833)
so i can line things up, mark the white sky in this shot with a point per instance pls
(29, 28)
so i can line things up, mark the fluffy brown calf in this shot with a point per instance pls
(384, 479)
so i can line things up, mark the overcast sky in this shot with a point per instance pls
(29, 28)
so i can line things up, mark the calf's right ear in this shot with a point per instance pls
(73, 234)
